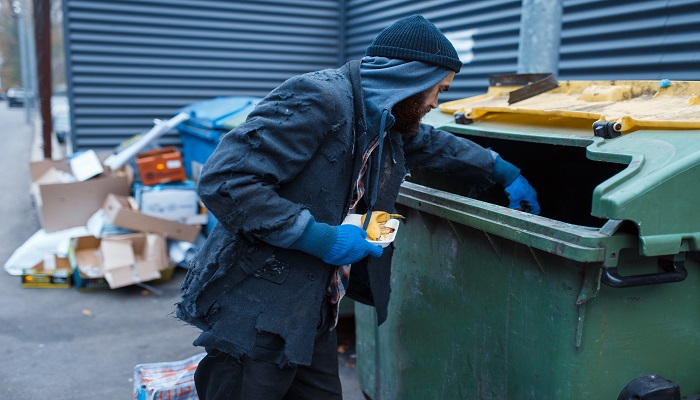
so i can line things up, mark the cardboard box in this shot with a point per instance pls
(85, 259)
(117, 261)
(85, 165)
(57, 277)
(133, 258)
(161, 166)
(123, 212)
(62, 205)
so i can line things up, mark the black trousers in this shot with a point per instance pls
(257, 375)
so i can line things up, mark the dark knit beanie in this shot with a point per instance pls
(415, 38)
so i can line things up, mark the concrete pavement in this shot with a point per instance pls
(66, 344)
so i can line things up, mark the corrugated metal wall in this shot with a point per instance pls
(625, 39)
(604, 39)
(484, 32)
(130, 61)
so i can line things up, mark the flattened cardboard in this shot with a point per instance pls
(67, 205)
(51, 176)
(121, 212)
(133, 258)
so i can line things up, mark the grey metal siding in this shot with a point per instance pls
(618, 39)
(484, 32)
(603, 39)
(130, 61)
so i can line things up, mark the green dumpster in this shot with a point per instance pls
(596, 298)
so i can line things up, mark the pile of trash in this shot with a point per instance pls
(128, 217)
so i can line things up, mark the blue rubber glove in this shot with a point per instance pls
(504, 172)
(350, 246)
(522, 196)
(337, 245)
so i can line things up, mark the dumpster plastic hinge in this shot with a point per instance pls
(461, 118)
(607, 130)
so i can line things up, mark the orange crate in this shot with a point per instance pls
(161, 166)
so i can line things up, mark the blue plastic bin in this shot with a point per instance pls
(209, 121)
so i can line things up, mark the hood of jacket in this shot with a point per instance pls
(385, 82)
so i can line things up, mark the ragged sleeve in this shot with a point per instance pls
(438, 150)
(239, 182)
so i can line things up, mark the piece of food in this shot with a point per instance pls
(376, 228)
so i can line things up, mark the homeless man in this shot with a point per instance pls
(265, 287)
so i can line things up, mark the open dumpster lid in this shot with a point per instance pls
(657, 141)
(633, 105)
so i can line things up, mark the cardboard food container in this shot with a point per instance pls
(123, 212)
(161, 166)
(52, 273)
(354, 219)
(133, 258)
(61, 204)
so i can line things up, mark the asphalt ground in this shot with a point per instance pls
(68, 344)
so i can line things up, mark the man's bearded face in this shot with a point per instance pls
(408, 114)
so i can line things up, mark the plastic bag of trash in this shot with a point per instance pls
(166, 380)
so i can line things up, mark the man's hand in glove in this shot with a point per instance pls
(520, 194)
(350, 246)
(337, 245)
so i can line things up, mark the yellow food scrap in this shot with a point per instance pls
(376, 229)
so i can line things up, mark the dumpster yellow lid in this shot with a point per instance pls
(632, 105)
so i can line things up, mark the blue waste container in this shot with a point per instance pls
(209, 121)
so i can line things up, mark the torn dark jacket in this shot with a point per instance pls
(299, 149)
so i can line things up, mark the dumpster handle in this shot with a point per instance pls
(674, 271)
